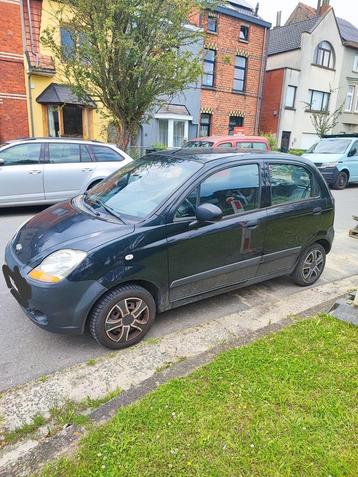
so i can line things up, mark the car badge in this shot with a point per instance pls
(18, 247)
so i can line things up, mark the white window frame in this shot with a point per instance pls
(355, 63)
(356, 105)
(294, 88)
(171, 118)
(349, 97)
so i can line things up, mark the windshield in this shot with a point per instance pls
(139, 188)
(331, 146)
(199, 144)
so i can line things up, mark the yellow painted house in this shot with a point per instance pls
(53, 109)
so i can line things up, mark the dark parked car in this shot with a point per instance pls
(168, 230)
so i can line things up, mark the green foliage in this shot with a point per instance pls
(25, 430)
(129, 54)
(282, 406)
(159, 146)
(297, 152)
(271, 139)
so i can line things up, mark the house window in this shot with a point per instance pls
(240, 73)
(212, 23)
(318, 100)
(205, 125)
(244, 33)
(349, 99)
(356, 105)
(72, 121)
(355, 64)
(235, 122)
(68, 43)
(173, 132)
(324, 55)
(290, 96)
(209, 67)
(67, 121)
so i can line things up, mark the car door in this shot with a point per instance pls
(67, 168)
(21, 174)
(352, 162)
(212, 256)
(296, 216)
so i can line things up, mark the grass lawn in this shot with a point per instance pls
(285, 405)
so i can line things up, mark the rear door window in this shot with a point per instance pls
(259, 145)
(244, 145)
(22, 154)
(291, 183)
(85, 155)
(106, 154)
(62, 153)
(225, 144)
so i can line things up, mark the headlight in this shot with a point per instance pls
(58, 265)
(330, 164)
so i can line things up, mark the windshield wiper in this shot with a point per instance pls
(87, 205)
(107, 208)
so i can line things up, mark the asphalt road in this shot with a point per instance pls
(27, 352)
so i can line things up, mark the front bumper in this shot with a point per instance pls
(60, 308)
(330, 174)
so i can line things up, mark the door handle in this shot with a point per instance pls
(35, 171)
(87, 169)
(252, 225)
(317, 210)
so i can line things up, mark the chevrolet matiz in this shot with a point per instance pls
(167, 230)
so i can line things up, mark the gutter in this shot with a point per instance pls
(261, 82)
(29, 67)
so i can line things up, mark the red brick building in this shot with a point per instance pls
(234, 67)
(13, 104)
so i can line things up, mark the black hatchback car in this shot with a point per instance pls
(165, 231)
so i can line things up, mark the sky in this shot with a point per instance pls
(347, 9)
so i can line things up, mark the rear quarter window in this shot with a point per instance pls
(106, 154)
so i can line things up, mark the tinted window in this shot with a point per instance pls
(85, 156)
(234, 190)
(188, 207)
(60, 153)
(290, 183)
(106, 154)
(259, 145)
(21, 154)
(244, 145)
(199, 144)
(355, 146)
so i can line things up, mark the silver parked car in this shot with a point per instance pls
(45, 171)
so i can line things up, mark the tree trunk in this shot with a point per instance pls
(123, 137)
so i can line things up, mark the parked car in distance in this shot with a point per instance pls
(45, 171)
(237, 142)
(170, 229)
(336, 156)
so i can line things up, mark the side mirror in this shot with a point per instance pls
(208, 213)
(2, 162)
(352, 152)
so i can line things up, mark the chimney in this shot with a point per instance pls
(278, 18)
(319, 2)
(257, 8)
(325, 7)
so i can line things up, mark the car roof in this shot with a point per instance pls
(236, 137)
(54, 139)
(208, 155)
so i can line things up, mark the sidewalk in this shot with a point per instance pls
(141, 368)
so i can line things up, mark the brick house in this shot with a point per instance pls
(234, 66)
(312, 67)
(13, 107)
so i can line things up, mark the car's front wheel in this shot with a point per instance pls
(310, 265)
(342, 181)
(122, 317)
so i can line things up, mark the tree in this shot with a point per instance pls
(130, 55)
(324, 122)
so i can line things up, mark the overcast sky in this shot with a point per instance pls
(347, 9)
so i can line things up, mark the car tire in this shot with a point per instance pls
(310, 265)
(341, 182)
(122, 317)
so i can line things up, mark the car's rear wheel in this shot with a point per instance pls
(310, 265)
(342, 181)
(122, 317)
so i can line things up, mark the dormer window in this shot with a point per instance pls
(324, 55)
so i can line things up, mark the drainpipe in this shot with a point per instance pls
(261, 82)
(29, 68)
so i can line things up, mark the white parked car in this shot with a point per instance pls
(45, 171)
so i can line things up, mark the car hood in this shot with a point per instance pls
(322, 158)
(64, 226)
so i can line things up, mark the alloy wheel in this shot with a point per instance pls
(127, 320)
(313, 265)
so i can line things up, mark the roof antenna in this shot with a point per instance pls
(257, 8)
